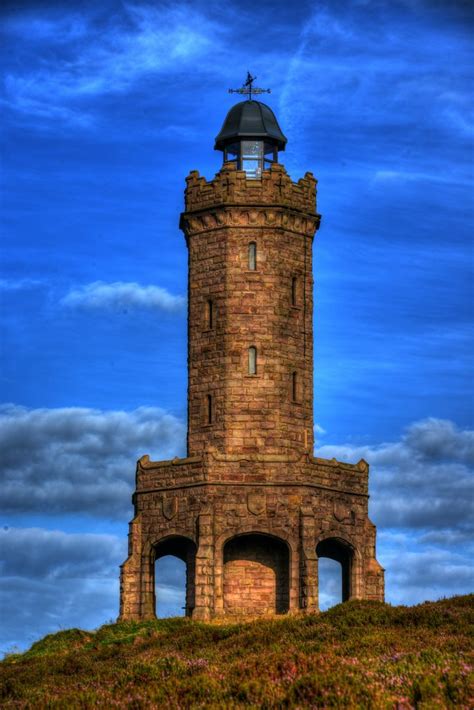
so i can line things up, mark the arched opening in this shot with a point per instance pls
(256, 575)
(174, 570)
(335, 563)
(329, 583)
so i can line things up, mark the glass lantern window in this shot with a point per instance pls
(251, 157)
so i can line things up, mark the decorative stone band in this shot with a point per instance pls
(235, 216)
(362, 465)
(250, 484)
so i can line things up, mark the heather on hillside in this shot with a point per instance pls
(357, 655)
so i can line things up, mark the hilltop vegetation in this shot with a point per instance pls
(357, 655)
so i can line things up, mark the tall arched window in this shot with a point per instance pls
(210, 314)
(294, 386)
(209, 411)
(294, 291)
(252, 256)
(175, 558)
(339, 573)
(252, 360)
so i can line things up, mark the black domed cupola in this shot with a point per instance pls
(250, 134)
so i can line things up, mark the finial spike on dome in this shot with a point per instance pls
(248, 89)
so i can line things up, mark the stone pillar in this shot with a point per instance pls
(130, 575)
(204, 575)
(147, 584)
(308, 563)
(373, 582)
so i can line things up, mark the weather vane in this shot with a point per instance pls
(248, 89)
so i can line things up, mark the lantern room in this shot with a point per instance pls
(251, 137)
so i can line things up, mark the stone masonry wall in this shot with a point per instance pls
(206, 504)
(255, 576)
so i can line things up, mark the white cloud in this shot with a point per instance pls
(121, 295)
(19, 284)
(77, 459)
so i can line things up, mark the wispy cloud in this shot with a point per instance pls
(387, 176)
(56, 30)
(120, 295)
(144, 41)
(19, 284)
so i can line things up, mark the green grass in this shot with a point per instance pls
(357, 655)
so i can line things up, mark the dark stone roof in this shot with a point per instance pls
(250, 119)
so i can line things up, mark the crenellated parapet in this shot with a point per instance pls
(231, 189)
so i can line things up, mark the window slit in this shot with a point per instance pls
(252, 256)
(209, 412)
(252, 360)
(294, 286)
(294, 386)
(210, 315)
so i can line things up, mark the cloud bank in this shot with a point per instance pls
(423, 481)
(78, 460)
(119, 296)
(68, 580)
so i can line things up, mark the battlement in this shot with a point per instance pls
(232, 187)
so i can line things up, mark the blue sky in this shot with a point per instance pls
(106, 107)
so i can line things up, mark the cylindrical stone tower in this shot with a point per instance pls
(250, 510)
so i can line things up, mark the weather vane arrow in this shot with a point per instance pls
(248, 89)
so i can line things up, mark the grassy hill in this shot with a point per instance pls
(357, 655)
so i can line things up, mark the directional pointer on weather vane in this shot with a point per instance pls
(248, 89)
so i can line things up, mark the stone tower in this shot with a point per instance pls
(250, 510)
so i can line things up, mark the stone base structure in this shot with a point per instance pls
(250, 511)
(251, 531)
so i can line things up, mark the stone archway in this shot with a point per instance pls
(341, 551)
(184, 549)
(256, 575)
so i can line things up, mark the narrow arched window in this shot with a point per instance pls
(294, 386)
(252, 256)
(294, 292)
(210, 315)
(209, 412)
(252, 360)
